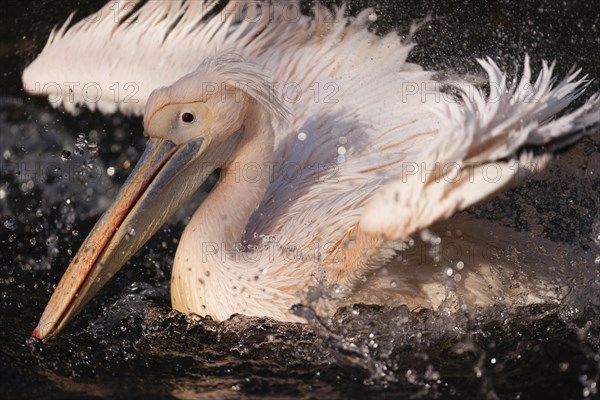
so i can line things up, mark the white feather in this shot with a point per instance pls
(474, 138)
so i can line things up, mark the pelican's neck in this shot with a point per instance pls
(223, 216)
(204, 279)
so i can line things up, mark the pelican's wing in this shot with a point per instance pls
(114, 59)
(485, 144)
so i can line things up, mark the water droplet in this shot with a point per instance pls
(9, 223)
(80, 144)
(65, 155)
(411, 376)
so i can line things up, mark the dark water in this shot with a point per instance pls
(54, 183)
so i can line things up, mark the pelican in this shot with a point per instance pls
(333, 149)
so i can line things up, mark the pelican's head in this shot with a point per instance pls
(194, 126)
(211, 102)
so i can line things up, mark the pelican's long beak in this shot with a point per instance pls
(164, 178)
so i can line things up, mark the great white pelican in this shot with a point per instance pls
(332, 147)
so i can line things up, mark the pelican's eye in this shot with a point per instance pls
(187, 117)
